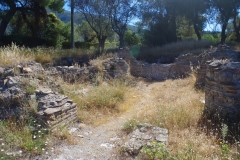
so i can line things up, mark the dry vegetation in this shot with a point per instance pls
(174, 104)
(13, 54)
(97, 103)
(177, 106)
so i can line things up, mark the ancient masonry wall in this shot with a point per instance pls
(222, 90)
(55, 109)
(160, 72)
(214, 53)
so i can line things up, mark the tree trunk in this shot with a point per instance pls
(121, 41)
(6, 19)
(223, 34)
(236, 28)
(72, 24)
(197, 32)
(174, 23)
(101, 41)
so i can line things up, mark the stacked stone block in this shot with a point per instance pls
(214, 53)
(222, 90)
(55, 109)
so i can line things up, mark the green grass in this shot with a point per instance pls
(30, 89)
(18, 138)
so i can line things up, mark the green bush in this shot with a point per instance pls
(85, 45)
(66, 45)
(155, 150)
(131, 38)
(209, 37)
(30, 90)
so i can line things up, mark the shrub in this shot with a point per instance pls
(30, 89)
(66, 45)
(43, 58)
(85, 45)
(169, 52)
(209, 37)
(155, 150)
(130, 125)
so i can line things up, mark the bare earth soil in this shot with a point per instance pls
(100, 143)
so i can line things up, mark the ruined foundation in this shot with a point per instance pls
(222, 91)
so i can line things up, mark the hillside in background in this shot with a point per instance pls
(78, 18)
(66, 17)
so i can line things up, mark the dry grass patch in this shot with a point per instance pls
(12, 55)
(177, 106)
(96, 103)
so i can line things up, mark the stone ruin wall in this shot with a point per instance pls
(222, 90)
(221, 79)
(53, 109)
(214, 53)
(218, 69)
(180, 69)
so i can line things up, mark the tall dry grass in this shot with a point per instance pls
(177, 106)
(97, 100)
(12, 55)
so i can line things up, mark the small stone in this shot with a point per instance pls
(107, 145)
(162, 138)
(146, 125)
(9, 71)
(133, 147)
(143, 129)
(81, 126)
(11, 82)
(81, 136)
(72, 130)
(147, 137)
(27, 70)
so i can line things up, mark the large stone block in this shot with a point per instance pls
(222, 90)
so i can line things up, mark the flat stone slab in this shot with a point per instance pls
(145, 134)
(50, 111)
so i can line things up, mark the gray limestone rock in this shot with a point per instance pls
(144, 135)
(1, 72)
(11, 82)
(9, 71)
(50, 111)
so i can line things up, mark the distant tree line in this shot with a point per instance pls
(29, 22)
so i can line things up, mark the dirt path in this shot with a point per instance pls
(98, 143)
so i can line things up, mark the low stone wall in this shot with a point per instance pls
(115, 67)
(11, 98)
(159, 72)
(180, 69)
(54, 109)
(222, 90)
